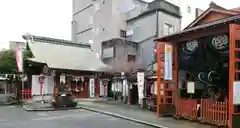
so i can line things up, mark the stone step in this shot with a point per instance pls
(6, 98)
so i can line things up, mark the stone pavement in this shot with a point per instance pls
(16, 117)
(30, 106)
(138, 115)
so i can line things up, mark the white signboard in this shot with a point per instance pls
(155, 87)
(168, 62)
(236, 92)
(125, 88)
(62, 79)
(191, 87)
(92, 88)
(101, 88)
(140, 79)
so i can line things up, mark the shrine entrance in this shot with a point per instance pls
(198, 74)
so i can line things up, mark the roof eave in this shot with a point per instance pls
(204, 26)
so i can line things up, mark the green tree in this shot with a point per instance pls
(8, 60)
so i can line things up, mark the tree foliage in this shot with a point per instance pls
(8, 60)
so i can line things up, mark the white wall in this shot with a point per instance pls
(187, 17)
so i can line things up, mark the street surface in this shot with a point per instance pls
(143, 115)
(17, 117)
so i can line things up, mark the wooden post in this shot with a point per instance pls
(160, 50)
(233, 61)
(231, 74)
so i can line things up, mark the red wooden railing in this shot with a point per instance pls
(186, 108)
(214, 112)
(211, 112)
(26, 94)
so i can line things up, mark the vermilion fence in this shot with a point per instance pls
(206, 111)
(214, 112)
(186, 108)
(26, 94)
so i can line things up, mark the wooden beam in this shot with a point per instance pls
(200, 33)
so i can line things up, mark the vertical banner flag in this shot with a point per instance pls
(19, 58)
(140, 80)
(92, 87)
(168, 62)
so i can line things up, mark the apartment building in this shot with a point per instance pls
(157, 19)
(97, 21)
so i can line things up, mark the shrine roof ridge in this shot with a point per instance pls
(203, 26)
(55, 41)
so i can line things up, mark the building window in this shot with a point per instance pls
(96, 31)
(97, 7)
(90, 41)
(129, 32)
(131, 58)
(168, 29)
(189, 9)
(108, 52)
(123, 33)
(91, 20)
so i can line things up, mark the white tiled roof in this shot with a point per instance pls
(63, 55)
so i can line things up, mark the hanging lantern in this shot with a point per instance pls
(41, 78)
(45, 70)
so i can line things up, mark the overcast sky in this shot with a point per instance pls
(52, 18)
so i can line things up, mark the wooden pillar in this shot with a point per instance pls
(160, 50)
(175, 71)
(56, 83)
(234, 34)
(163, 85)
(97, 86)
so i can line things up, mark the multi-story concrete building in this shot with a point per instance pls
(96, 21)
(144, 24)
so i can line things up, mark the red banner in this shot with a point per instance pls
(19, 58)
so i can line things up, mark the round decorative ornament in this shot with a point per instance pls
(220, 42)
(191, 45)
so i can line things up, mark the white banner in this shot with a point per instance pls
(92, 88)
(62, 79)
(101, 88)
(236, 92)
(125, 88)
(168, 62)
(19, 58)
(140, 79)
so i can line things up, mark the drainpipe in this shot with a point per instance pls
(156, 34)
(157, 25)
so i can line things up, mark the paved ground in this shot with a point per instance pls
(16, 117)
(143, 115)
